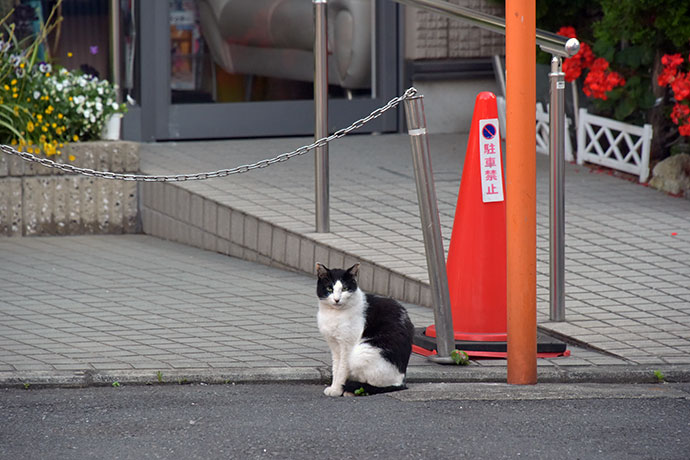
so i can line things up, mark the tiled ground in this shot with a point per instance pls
(627, 246)
(137, 303)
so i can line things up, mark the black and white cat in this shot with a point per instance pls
(370, 337)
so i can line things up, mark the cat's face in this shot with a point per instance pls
(336, 287)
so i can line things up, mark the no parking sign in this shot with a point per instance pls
(490, 160)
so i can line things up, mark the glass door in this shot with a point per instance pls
(244, 68)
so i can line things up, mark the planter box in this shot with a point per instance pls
(36, 200)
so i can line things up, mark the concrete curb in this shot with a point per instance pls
(313, 375)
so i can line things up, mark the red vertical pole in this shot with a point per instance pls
(521, 189)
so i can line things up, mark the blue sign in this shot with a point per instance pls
(489, 131)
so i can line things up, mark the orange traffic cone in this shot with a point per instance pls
(476, 264)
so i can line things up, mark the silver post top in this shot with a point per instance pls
(572, 46)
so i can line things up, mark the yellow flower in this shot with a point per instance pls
(60, 116)
(45, 129)
(7, 87)
(69, 54)
(13, 82)
(75, 138)
(39, 117)
(30, 126)
(72, 158)
(30, 150)
(53, 125)
(14, 142)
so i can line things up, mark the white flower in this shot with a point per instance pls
(37, 94)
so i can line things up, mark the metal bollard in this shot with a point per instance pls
(557, 191)
(321, 114)
(431, 227)
(115, 47)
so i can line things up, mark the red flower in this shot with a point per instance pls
(681, 87)
(667, 76)
(587, 56)
(572, 67)
(672, 61)
(680, 113)
(567, 31)
(684, 130)
(600, 64)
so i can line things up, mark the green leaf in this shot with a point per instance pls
(460, 357)
(630, 56)
(603, 49)
(647, 100)
(626, 107)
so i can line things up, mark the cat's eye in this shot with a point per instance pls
(329, 289)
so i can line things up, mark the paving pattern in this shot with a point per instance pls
(627, 246)
(138, 303)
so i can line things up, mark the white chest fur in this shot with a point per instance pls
(342, 323)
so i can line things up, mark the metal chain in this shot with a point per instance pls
(410, 93)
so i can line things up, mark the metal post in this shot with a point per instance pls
(321, 113)
(557, 190)
(115, 47)
(431, 227)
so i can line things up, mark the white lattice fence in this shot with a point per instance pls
(543, 134)
(614, 144)
(542, 120)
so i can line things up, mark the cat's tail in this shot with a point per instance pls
(364, 389)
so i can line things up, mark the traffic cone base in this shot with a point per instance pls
(480, 337)
(547, 346)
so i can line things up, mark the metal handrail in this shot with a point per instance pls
(547, 41)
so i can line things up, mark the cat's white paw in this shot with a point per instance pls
(333, 391)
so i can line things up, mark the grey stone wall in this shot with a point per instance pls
(432, 36)
(37, 200)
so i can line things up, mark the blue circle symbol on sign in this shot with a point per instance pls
(489, 131)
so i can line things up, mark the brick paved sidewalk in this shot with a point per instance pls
(627, 246)
(83, 307)
(77, 310)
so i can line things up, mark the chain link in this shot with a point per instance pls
(410, 93)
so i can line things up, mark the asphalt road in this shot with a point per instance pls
(429, 421)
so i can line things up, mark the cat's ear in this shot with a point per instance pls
(321, 270)
(354, 270)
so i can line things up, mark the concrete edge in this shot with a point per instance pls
(314, 375)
